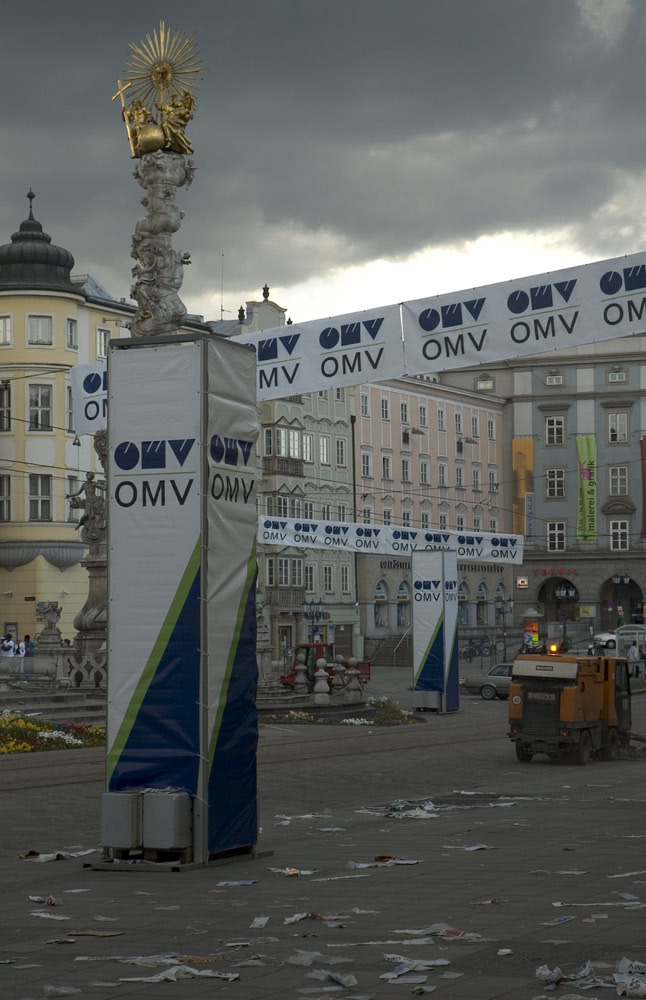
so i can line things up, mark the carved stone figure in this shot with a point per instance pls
(90, 498)
(49, 612)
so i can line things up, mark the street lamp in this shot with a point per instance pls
(564, 592)
(504, 606)
(312, 613)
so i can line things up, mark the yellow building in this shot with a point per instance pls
(49, 322)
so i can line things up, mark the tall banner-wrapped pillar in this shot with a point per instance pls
(181, 576)
(435, 629)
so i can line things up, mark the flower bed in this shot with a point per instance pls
(381, 712)
(26, 735)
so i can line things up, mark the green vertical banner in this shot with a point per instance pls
(586, 520)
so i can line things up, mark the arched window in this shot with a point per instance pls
(403, 604)
(463, 604)
(481, 605)
(380, 598)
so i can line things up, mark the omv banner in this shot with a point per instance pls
(389, 539)
(511, 319)
(89, 385)
(435, 617)
(327, 353)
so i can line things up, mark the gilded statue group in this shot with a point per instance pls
(147, 135)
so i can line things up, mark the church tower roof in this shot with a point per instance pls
(32, 261)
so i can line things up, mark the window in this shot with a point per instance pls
(385, 408)
(387, 516)
(458, 423)
(326, 511)
(424, 471)
(476, 481)
(406, 470)
(554, 379)
(554, 430)
(477, 522)
(40, 330)
(491, 429)
(493, 524)
(443, 521)
(71, 334)
(617, 428)
(618, 480)
(294, 444)
(365, 404)
(308, 448)
(40, 407)
(485, 384)
(403, 409)
(297, 572)
(322, 394)
(339, 395)
(5, 406)
(345, 579)
(309, 578)
(366, 465)
(40, 497)
(328, 579)
(5, 331)
(294, 507)
(423, 415)
(269, 506)
(70, 411)
(617, 376)
(386, 467)
(283, 571)
(441, 473)
(441, 420)
(308, 509)
(406, 518)
(460, 522)
(459, 476)
(268, 442)
(619, 536)
(493, 481)
(426, 520)
(366, 515)
(102, 338)
(324, 449)
(281, 507)
(340, 451)
(73, 513)
(555, 484)
(556, 536)
(270, 574)
(481, 604)
(475, 426)
(343, 512)
(5, 498)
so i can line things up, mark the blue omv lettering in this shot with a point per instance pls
(449, 315)
(630, 278)
(540, 296)
(350, 333)
(305, 526)
(152, 454)
(95, 382)
(268, 349)
(405, 535)
(275, 525)
(435, 536)
(426, 584)
(368, 532)
(226, 449)
(469, 540)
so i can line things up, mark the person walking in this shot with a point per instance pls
(7, 646)
(633, 660)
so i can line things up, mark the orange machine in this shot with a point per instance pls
(569, 706)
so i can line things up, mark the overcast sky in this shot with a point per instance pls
(350, 153)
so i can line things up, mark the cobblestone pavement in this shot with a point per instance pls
(553, 833)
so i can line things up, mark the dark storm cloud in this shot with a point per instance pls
(332, 132)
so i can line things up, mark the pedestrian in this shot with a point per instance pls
(29, 645)
(7, 646)
(590, 649)
(633, 657)
(20, 649)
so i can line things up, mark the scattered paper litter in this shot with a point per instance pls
(92, 933)
(59, 991)
(337, 878)
(293, 871)
(259, 922)
(472, 847)
(55, 855)
(47, 900)
(504, 951)
(345, 979)
(642, 871)
(177, 972)
(47, 915)
(240, 881)
(558, 920)
(295, 918)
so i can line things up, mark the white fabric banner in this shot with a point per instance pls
(327, 353)
(435, 617)
(389, 539)
(89, 385)
(512, 319)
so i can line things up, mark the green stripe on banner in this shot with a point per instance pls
(156, 654)
(428, 648)
(224, 690)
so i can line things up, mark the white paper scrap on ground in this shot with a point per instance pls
(259, 922)
(180, 972)
(47, 915)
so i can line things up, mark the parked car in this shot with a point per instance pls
(605, 640)
(490, 685)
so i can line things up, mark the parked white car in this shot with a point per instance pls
(490, 685)
(605, 640)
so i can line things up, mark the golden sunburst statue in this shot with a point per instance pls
(161, 74)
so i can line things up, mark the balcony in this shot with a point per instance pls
(278, 465)
(286, 597)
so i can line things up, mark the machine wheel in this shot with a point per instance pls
(583, 752)
(488, 692)
(524, 756)
(610, 751)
